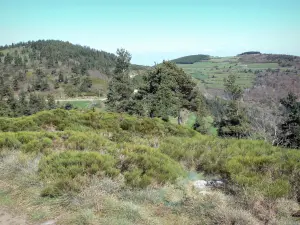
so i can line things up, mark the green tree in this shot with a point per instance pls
(36, 103)
(51, 101)
(233, 91)
(16, 84)
(18, 61)
(8, 59)
(60, 77)
(167, 90)
(289, 129)
(86, 84)
(23, 103)
(120, 89)
(234, 122)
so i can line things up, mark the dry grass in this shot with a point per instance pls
(108, 201)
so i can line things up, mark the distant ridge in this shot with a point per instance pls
(191, 59)
(250, 53)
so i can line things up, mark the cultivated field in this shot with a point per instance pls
(211, 73)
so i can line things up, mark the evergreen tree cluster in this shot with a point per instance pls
(23, 104)
(289, 129)
(165, 91)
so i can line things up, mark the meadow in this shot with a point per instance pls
(211, 73)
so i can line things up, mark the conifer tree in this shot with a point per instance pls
(51, 101)
(168, 90)
(234, 123)
(120, 88)
(289, 134)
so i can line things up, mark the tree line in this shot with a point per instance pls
(167, 90)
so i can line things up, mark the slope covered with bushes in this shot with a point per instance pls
(141, 168)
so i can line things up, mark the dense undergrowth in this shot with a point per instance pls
(117, 158)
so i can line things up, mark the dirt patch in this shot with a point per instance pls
(7, 218)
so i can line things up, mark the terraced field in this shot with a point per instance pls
(211, 73)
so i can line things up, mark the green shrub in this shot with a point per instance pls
(143, 165)
(59, 188)
(84, 141)
(69, 164)
(9, 140)
(37, 145)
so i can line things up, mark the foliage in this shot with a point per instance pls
(234, 122)
(191, 59)
(69, 164)
(233, 90)
(120, 88)
(250, 53)
(143, 166)
(166, 91)
(289, 135)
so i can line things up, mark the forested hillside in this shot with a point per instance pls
(159, 150)
(56, 67)
(191, 59)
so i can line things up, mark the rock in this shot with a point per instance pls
(49, 222)
(215, 183)
(200, 184)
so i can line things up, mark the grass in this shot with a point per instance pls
(211, 73)
(263, 65)
(108, 168)
(83, 104)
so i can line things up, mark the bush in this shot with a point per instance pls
(37, 145)
(69, 164)
(59, 188)
(84, 141)
(9, 140)
(143, 165)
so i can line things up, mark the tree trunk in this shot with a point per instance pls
(179, 118)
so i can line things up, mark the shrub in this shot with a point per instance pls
(59, 188)
(143, 165)
(9, 140)
(69, 164)
(37, 145)
(84, 141)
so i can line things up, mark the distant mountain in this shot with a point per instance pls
(58, 67)
(191, 59)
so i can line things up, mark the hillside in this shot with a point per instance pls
(106, 168)
(57, 67)
(246, 66)
(191, 59)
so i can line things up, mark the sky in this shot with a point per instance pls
(158, 29)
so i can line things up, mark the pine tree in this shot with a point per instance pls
(289, 134)
(15, 84)
(233, 91)
(167, 91)
(120, 88)
(51, 101)
(234, 122)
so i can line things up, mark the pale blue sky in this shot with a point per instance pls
(157, 29)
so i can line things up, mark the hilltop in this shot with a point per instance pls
(57, 67)
(191, 59)
(247, 66)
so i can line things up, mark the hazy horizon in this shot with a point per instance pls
(155, 30)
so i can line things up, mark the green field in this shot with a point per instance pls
(211, 73)
(83, 104)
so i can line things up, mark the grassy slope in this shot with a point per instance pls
(211, 73)
(37, 150)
